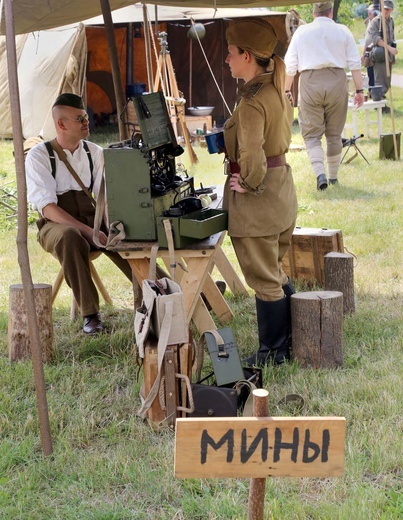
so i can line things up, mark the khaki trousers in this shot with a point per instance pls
(260, 259)
(322, 107)
(72, 250)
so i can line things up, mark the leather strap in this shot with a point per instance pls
(63, 157)
(272, 162)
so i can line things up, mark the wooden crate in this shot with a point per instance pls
(174, 390)
(305, 258)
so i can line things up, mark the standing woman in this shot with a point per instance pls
(259, 193)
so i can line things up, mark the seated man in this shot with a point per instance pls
(66, 226)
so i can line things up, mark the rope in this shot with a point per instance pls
(161, 395)
(211, 71)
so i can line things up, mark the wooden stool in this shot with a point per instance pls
(97, 280)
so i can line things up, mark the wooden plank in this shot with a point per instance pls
(193, 281)
(217, 301)
(171, 394)
(202, 318)
(234, 283)
(254, 447)
(150, 365)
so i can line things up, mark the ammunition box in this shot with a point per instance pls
(194, 226)
(305, 258)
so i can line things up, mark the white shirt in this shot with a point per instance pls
(43, 189)
(322, 44)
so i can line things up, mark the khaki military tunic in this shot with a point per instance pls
(259, 128)
(261, 221)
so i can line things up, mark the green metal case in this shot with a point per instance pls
(189, 228)
(128, 192)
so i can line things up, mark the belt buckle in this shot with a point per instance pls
(227, 167)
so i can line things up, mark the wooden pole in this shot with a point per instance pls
(148, 50)
(23, 257)
(258, 485)
(388, 73)
(116, 75)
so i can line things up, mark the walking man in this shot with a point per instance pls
(320, 51)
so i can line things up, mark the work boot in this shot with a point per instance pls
(321, 182)
(92, 324)
(274, 324)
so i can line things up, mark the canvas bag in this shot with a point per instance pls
(150, 315)
(161, 313)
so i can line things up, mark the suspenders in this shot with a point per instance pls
(52, 158)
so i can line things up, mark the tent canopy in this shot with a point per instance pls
(134, 13)
(35, 15)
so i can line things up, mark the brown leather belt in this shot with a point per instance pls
(272, 162)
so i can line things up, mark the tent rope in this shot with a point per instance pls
(210, 69)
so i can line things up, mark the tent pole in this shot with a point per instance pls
(148, 50)
(117, 78)
(22, 248)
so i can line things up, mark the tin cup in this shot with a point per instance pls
(215, 142)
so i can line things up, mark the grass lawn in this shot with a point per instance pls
(108, 465)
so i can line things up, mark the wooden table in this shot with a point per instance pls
(367, 107)
(199, 260)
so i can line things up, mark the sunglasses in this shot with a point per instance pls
(79, 119)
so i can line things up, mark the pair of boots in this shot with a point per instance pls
(274, 329)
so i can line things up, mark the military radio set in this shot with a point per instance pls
(144, 186)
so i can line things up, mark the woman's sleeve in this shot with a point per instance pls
(252, 157)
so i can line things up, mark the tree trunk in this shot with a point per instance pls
(317, 328)
(339, 276)
(19, 342)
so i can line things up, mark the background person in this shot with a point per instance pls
(375, 36)
(373, 10)
(320, 51)
(259, 193)
(66, 229)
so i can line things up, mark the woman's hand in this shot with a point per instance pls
(234, 183)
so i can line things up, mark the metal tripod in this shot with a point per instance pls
(352, 143)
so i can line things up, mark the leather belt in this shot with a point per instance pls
(272, 162)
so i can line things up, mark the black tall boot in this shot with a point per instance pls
(273, 320)
(289, 290)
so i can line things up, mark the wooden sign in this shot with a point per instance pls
(260, 447)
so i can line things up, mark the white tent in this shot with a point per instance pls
(48, 62)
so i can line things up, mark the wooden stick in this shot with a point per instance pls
(23, 256)
(258, 485)
(388, 73)
(116, 75)
(148, 49)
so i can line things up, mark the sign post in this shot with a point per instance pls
(258, 485)
(259, 447)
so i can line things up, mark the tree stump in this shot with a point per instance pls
(19, 345)
(339, 276)
(317, 328)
